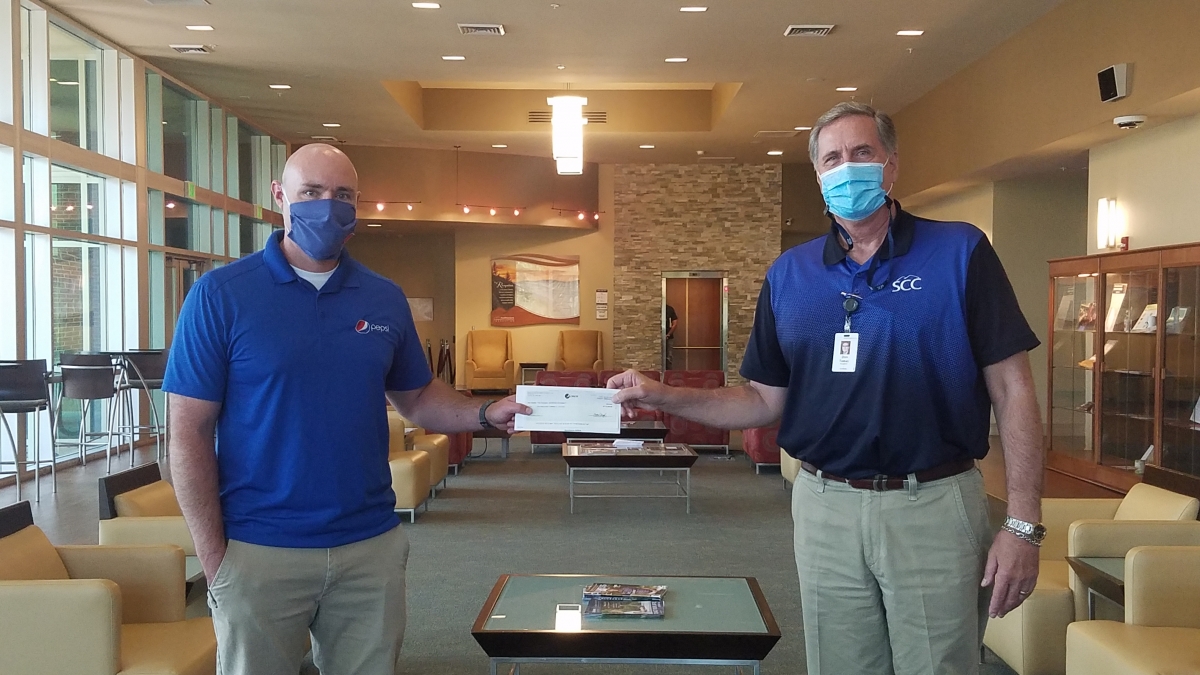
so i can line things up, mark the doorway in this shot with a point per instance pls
(180, 274)
(699, 301)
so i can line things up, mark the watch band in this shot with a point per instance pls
(483, 421)
(1022, 530)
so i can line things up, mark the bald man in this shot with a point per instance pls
(277, 380)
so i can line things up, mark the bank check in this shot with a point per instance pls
(569, 409)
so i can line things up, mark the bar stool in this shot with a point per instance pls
(142, 370)
(23, 390)
(88, 378)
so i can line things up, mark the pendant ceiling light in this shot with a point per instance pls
(566, 125)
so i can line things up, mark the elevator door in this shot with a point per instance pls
(699, 301)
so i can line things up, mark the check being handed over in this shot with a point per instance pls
(583, 409)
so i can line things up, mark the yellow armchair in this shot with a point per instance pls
(1032, 638)
(120, 607)
(490, 363)
(580, 350)
(1161, 632)
(138, 507)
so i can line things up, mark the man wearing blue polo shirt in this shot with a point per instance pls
(277, 380)
(882, 348)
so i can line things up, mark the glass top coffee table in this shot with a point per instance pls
(716, 621)
(649, 460)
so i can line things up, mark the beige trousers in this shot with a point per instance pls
(889, 581)
(265, 601)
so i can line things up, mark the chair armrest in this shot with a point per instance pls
(1162, 586)
(60, 626)
(598, 365)
(1114, 538)
(559, 365)
(510, 370)
(151, 578)
(148, 530)
(1058, 514)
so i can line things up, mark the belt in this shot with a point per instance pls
(882, 483)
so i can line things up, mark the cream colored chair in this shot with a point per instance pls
(788, 466)
(94, 610)
(410, 481)
(490, 363)
(580, 350)
(1161, 632)
(437, 446)
(1032, 638)
(138, 507)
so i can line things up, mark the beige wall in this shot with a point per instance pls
(1154, 174)
(422, 265)
(474, 249)
(973, 205)
(1037, 219)
(676, 217)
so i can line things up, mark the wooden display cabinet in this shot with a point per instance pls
(1123, 365)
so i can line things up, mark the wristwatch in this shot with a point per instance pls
(483, 420)
(1033, 533)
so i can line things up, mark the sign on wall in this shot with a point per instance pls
(530, 289)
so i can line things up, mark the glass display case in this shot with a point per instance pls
(1073, 349)
(1123, 355)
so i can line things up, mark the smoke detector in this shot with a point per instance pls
(1129, 121)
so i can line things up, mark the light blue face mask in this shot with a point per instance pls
(854, 190)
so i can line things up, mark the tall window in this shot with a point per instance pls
(77, 201)
(76, 87)
(180, 134)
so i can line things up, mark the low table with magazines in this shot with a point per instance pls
(542, 618)
(596, 466)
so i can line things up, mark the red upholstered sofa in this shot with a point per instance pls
(680, 430)
(761, 446)
(560, 378)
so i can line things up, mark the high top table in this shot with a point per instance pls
(710, 621)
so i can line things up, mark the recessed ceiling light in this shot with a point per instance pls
(374, 225)
(426, 5)
(199, 27)
(331, 125)
(561, 67)
(774, 153)
(910, 33)
(803, 128)
(847, 88)
(68, 84)
(677, 59)
(454, 58)
(499, 145)
(280, 86)
(646, 147)
(693, 9)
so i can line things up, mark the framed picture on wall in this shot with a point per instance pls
(421, 308)
(530, 289)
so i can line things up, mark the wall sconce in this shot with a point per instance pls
(1109, 223)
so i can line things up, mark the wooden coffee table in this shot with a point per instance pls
(589, 457)
(710, 621)
(1104, 577)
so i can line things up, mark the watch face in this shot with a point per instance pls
(1039, 531)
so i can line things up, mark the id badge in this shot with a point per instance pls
(845, 352)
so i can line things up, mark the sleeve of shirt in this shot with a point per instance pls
(764, 362)
(409, 370)
(995, 325)
(198, 365)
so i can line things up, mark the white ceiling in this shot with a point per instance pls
(336, 53)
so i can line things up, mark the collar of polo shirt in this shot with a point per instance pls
(902, 237)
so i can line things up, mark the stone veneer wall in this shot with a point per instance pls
(671, 217)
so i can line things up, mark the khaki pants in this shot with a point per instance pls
(266, 600)
(889, 581)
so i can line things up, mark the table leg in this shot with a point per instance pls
(504, 448)
(1091, 602)
(688, 472)
(491, 666)
(571, 480)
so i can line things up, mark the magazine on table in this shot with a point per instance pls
(653, 608)
(623, 591)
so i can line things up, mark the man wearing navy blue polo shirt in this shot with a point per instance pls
(882, 349)
(277, 380)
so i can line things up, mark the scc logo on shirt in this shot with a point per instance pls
(909, 282)
(364, 327)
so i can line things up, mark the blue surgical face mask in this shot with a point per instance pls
(321, 226)
(854, 190)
